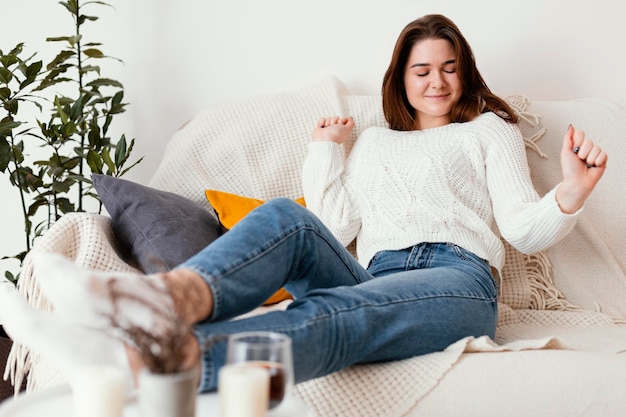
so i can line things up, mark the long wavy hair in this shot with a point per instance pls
(477, 98)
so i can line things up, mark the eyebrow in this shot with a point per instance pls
(451, 61)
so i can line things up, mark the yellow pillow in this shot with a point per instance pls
(231, 208)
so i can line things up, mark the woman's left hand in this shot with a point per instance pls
(583, 163)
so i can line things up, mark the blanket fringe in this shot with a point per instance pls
(519, 103)
(531, 142)
(544, 294)
(21, 360)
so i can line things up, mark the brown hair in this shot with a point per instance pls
(477, 98)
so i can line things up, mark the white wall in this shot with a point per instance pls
(183, 55)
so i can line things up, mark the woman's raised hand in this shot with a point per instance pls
(583, 163)
(333, 129)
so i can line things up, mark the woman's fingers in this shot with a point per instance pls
(334, 120)
(587, 151)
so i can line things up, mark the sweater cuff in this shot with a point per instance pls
(552, 195)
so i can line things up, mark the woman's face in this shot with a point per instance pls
(431, 82)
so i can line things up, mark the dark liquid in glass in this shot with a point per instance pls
(278, 381)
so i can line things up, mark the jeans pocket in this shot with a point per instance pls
(388, 262)
(466, 255)
(481, 264)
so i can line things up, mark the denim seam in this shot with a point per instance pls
(365, 305)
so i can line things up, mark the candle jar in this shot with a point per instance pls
(243, 391)
(98, 391)
(168, 395)
(269, 351)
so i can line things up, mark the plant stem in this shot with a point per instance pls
(80, 94)
(18, 178)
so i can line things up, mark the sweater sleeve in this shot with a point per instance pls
(327, 193)
(529, 223)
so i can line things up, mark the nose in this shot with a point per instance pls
(437, 80)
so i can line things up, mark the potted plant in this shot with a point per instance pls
(55, 124)
(47, 158)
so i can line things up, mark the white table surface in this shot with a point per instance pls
(57, 402)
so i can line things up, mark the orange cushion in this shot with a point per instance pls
(231, 208)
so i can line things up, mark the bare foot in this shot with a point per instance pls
(91, 297)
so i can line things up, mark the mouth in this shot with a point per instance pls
(438, 96)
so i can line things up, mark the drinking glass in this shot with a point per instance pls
(267, 350)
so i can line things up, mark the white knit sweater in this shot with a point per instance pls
(463, 183)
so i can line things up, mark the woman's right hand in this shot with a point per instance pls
(333, 129)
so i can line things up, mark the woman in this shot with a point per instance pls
(426, 200)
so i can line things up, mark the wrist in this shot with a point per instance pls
(568, 198)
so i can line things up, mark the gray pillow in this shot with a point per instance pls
(156, 229)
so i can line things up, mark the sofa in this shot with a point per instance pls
(561, 336)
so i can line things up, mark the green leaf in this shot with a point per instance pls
(5, 75)
(105, 82)
(5, 155)
(7, 60)
(77, 108)
(130, 167)
(62, 115)
(7, 126)
(25, 178)
(11, 106)
(5, 93)
(17, 50)
(32, 209)
(33, 69)
(120, 151)
(95, 162)
(117, 98)
(61, 57)
(9, 276)
(63, 186)
(93, 53)
(69, 129)
(106, 156)
(90, 68)
(107, 123)
(65, 205)
(18, 156)
(84, 18)
(32, 72)
(71, 6)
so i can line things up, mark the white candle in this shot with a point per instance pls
(98, 391)
(243, 391)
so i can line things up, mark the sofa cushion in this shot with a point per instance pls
(230, 208)
(156, 229)
(252, 146)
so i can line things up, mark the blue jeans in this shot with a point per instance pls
(408, 302)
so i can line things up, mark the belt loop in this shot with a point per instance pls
(496, 276)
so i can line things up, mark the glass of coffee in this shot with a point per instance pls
(266, 350)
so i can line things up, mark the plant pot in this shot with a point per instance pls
(6, 388)
(168, 395)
